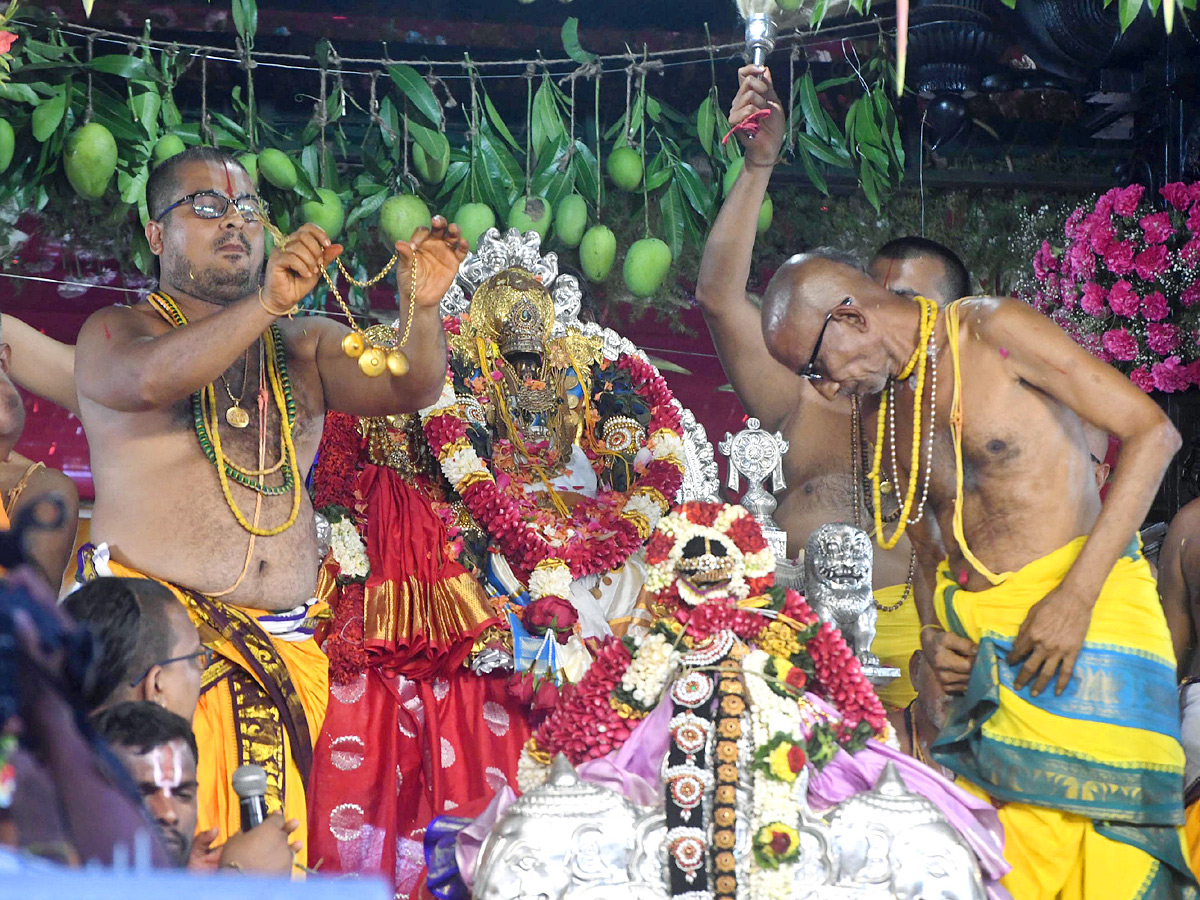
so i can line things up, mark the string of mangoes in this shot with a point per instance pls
(90, 161)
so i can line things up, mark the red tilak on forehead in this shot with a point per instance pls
(887, 276)
(228, 179)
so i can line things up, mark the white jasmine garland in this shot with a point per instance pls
(774, 801)
(445, 401)
(530, 772)
(665, 443)
(459, 465)
(643, 505)
(550, 581)
(652, 666)
(349, 552)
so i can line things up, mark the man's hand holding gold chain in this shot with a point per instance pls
(293, 269)
(438, 251)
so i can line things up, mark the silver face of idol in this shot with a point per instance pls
(571, 840)
(837, 564)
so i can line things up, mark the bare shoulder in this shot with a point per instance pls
(123, 322)
(994, 317)
(46, 480)
(1185, 527)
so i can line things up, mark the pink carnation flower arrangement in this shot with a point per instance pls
(1126, 283)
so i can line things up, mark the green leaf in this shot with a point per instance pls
(814, 115)
(145, 108)
(49, 115)
(583, 172)
(1127, 11)
(570, 41)
(838, 157)
(496, 178)
(699, 194)
(367, 207)
(18, 93)
(455, 175)
(245, 19)
(674, 217)
(498, 123)
(547, 124)
(653, 109)
(129, 68)
(432, 142)
(418, 91)
(310, 162)
(813, 173)
(706, 124)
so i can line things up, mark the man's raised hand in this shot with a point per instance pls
(438, 252)
(757, 92)
(293, 269)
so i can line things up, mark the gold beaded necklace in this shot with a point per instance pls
(165, 306)
(917, 362)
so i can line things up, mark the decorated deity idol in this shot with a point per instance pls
(751, 722)
(478, 547)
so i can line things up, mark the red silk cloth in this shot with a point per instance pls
(394, 754)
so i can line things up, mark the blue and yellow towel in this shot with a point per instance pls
(1107, 750)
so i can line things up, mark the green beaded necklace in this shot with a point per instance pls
(167, 308)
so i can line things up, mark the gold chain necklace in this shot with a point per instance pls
(373, 357)
(235, 415)
(917, 362)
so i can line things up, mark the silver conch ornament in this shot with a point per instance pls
(757, 455)
(572, 840)
(496, 252)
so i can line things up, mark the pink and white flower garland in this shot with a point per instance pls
(602, 533)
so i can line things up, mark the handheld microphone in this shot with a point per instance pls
(250, 784)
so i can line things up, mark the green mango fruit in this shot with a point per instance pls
(766, 213)
(473, 219)
(168, 145)
(432, 169)
(531, 214)
(646, 265)
(401, 215)
(570, 219)
(597, 252)
(731, 175)
(90, 158)
(625, 168)
(8, 141)
(277, 169)
(328, 212)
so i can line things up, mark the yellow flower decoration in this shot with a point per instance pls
(777, 762)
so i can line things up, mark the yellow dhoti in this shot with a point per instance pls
(263, 701)
(897, 638)
(1091, 781)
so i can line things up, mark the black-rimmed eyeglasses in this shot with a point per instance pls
(213, 205)
(809, 372)
(203, 656)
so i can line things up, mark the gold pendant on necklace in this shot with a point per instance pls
(237, 417)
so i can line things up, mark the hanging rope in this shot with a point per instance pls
(529, 72)
(247, 64)
(322, 119)
(472, 122)
(587, 70)
(599, 169)
(206, 132)
(87, 114)
(791, 122)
